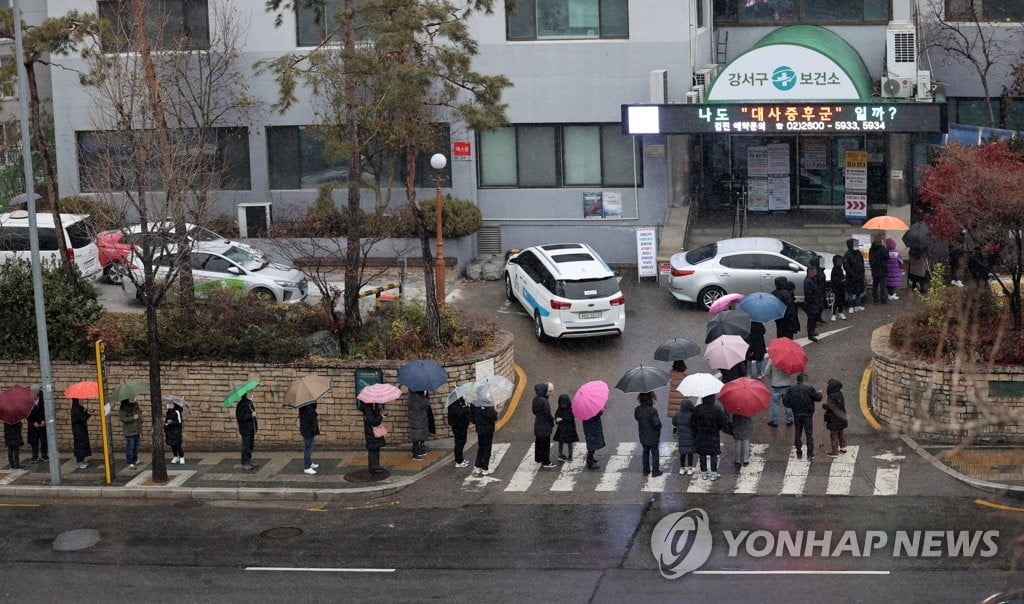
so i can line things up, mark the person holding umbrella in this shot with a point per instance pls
(755, 351)
(878, 259)
(309, 429)
(588, 404)
(779, 382)
(788, 325)
(484, 417)
(37, 428)
(14, 442)
(419, 422)
(373, 433)
(593, 434)
(649, 426)
(458, 419)
(543, 423)
(675, 377)
(919, 271)
(173, 428)
(131, 422)
(245, 417)
(80, 432)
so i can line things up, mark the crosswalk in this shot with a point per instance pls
(851, 473)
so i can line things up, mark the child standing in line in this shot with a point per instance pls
(835, 416)
(13, 440)
(649, 426)
(565, 428)
(684, 432)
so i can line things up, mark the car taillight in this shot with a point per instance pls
(681, 272)
(71, 254)
(560, 305)
(618, 301)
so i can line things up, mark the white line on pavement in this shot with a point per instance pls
(525, 473)
(750, 476)
(616, 464)
(570, 471)
(791, 572)
(796, 475)
(840, 474)
(887, 481)
(287, 569)
(666, 455)
(474, 482)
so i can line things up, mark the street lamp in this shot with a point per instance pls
(438, 161)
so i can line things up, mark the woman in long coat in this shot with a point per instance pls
(565, 427)
(80, 432)
(707, 422)
(373, 415)
(593, 433)
(419, 423)
(675, 377)
(543, 423)
(894, 269)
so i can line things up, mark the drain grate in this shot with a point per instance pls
(281, 532)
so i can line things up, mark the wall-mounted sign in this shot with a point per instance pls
(598, 204)
(784, 118)
(646, 252)
(462, 150)
(783, 71)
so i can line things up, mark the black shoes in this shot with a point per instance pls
(799, 454)
(656, 473)
(812, 338)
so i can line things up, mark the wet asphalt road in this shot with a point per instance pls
(440, 539)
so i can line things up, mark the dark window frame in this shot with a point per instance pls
(120, 22)
(531, 6)
(956, 11)
(731, 13)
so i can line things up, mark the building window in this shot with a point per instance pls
(700, 14)
(9, 83)
(985, 10)
(298, 159)
(170, 25)
(313, 22)
(110, 160)
(759, 12)
(567, 19)
(558, 156)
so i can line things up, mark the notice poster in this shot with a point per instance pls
(646, 252)
(856, 164)
(815, 155)
(593, 206)
(611, 202)
(778, 177)
(778, 159)
(757, 194)
(757, 162)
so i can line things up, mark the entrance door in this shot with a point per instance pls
(822, 161)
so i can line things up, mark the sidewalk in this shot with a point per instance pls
(218, 475)
(989, 467)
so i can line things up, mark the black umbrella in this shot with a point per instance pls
(676, 349)
(422, 376)
(643, 379)
(917, 236)
(728, 323)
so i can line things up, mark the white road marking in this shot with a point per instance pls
(524, 474)
(840, 474)
(796, 475)
(887, 481)
(666, 456)
(288, 569)
(821, 336)
(570, 471)
(615, 465)
(750, 476)
(511, 308)
(474, 482)
(791, 572)
(698, 484)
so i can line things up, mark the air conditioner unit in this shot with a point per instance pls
(659, 86)
(705, 75)
(901, 50)
(897, 88)
(700, 90)
(692, 97)
(924, 86)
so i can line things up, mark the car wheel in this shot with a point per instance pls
(263, 294)
(115, 273)
(538, 328)
(709, 295)
(508, 289)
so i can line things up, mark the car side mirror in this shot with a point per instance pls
(234, 270)
(796, 268)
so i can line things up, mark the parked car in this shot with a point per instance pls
(78, 236)
(117, 246)
(741, 266)
(568, 290)
(226, 264)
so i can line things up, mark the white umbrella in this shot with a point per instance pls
(699, 385)
(494, 387)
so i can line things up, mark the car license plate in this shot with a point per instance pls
(591, 314)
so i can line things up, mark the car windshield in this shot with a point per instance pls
(702, 253)
(585, 289)
(799, 254)
(244, 258)
(198, 233)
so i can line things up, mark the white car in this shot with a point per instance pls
(226, 264)
(79, 236)
(568, 290)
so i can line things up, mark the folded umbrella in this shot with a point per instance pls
(239, 391)
(590, 399)
(426, 376)
(15, 404)
(307, 390)
(699, 385)
(763, 307)
(379, 394)
(787, 355)
(643, 379)
(725, 351)
(723, 303)
(728, 323)
(676, 349)
(86, 389)
(745, 396)
(129, 390)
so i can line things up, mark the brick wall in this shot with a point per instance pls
(933, 400)
(205, 384)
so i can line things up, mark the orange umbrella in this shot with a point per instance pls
(83, 390)
(886, 223)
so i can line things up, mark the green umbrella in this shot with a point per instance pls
(129, 390)
(240, 390)
(460, 392)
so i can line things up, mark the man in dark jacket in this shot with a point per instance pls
(419, 423)
(309, 428)
(543, 424)
(649, 426)
(801, 398)
(458, 419)
(484, 418)
(785, 327)
(814, 302)
(245, 416)
(878, 259)
(853, 267)
(37, 429)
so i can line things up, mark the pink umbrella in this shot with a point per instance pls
(725, 351)
(724, 302)
(378, 394)
(590, 399)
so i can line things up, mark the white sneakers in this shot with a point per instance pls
(178, 460)
(958, 283)
(893, 297)
(462, 464)
(842, 316)
(174, 460)
(833, 318)
(309, 470)
(682, 471)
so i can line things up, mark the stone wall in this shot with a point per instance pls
(205, 384)
(932, 400)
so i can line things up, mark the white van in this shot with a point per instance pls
(79, 236)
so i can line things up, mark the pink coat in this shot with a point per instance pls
(894, 278)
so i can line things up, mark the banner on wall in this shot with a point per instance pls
(597, 204)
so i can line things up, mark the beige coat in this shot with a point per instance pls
(675, 398)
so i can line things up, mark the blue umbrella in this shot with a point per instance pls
(763, 307)
(425, 376)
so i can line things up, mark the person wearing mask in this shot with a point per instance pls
(543, 424)
(245, 417)
(814, 302)
(131, 422)
(853, 268)
(801, 398)
(458, 419)
(878, 260)
(309, 429)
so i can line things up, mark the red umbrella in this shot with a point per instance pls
(787, 355)
(15, 404)
(83, 390)
(745, 396)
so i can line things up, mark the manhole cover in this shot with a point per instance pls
(365, 476)
(76, 540)
(281, 532)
